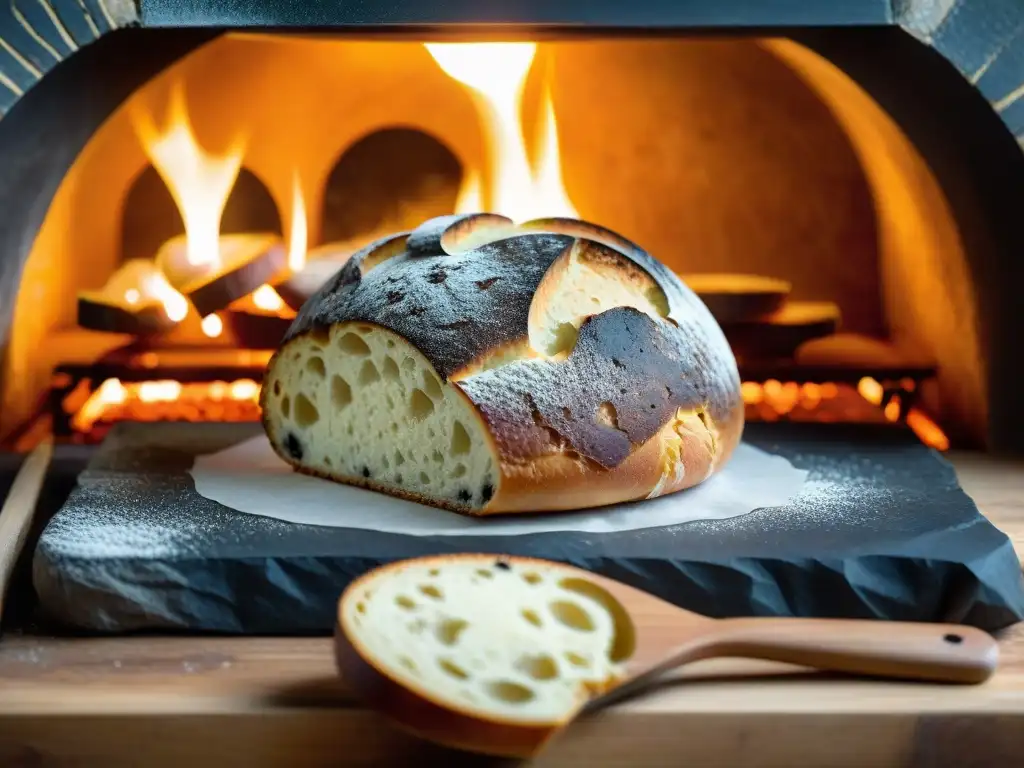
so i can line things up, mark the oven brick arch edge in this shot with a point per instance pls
(983, 39)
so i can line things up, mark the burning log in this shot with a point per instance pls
(739, 298)
(137, 300)
(243, 264)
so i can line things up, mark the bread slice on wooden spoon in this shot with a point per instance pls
(496, 654)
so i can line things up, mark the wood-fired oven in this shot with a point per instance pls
(175, 176)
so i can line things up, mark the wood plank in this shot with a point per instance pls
(277, 701)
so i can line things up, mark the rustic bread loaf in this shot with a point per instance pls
(488, 368)
(472, 644)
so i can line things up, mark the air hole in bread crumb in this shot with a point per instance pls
(368, 373)
(437, 457)
(353, 344)
(571, 615)
(624, 641)
(434, 572)
(530, 577)
(341, 392)
(484, 573)
(424, 478)
(510, 692)
(277, 388)
(576, 660)
(607, 415)
(461, 442)
(459, 471)
(532, 616)
(448, 631)
(453, 669)
(432, 386)
(319, 335)
(405, 602)
(391, 372)
(399, 458)
(385, 462)
(315, 365)
(391, 343)
(306, 413)
(408, 663)
(420, 406)
(286, 407)
(328, 462)
(399, 479)
(431, 591)
(541, 667)
(360, 607)
(409, 364)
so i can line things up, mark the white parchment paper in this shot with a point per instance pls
(250, 477)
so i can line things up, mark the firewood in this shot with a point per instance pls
(778, 335)
(246, 262)
(734, 298)
(131, 302)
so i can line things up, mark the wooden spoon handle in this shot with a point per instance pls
(905, 650)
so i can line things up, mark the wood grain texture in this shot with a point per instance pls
(277, 701)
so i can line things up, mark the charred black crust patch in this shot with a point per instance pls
(562, 401)
(443, 313)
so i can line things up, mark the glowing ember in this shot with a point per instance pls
(267, 298)
(496, 73)
(167, 400)
(132, 296)
(199, 182)
(772, 400)
(213, 326)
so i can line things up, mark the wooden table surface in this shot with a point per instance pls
(161, 701)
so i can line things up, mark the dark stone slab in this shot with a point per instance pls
(882, 530)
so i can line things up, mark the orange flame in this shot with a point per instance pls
(496, 73)
(175, 305)
(268, 299)
(198, 181)
(298, 240)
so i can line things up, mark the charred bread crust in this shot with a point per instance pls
(602, 424)
(608, 396)
(455, 309)
(708, 367)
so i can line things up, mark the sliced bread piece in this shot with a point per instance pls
(508, 646)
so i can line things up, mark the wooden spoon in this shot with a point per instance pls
(656, 636)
